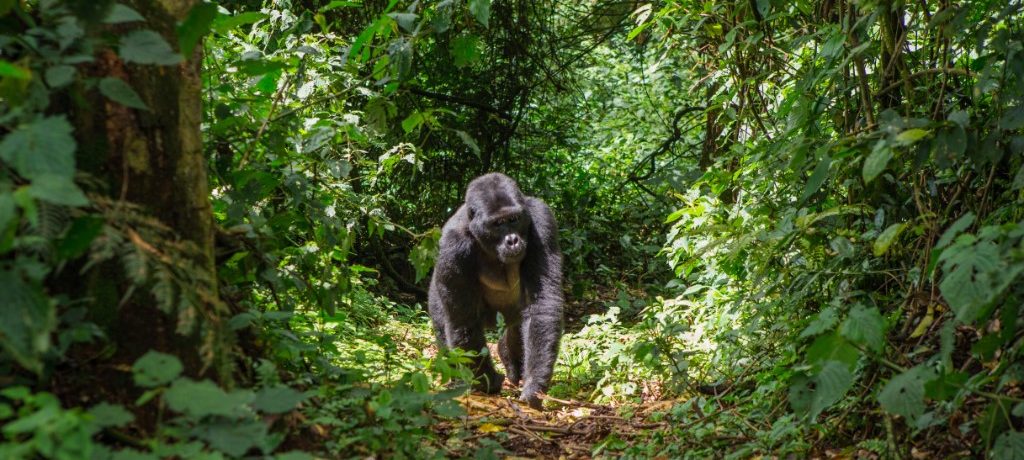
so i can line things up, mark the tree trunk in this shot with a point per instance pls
(154, 170)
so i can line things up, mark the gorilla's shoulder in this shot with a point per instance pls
(540, 212)
(456, 241)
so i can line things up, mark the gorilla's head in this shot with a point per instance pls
(498, 217)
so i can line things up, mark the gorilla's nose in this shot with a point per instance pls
(512, 240)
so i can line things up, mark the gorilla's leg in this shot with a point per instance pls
(511, 350)
(543, 332)
(469, 336)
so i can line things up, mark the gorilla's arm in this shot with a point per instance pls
(456, 305)
(542, 318)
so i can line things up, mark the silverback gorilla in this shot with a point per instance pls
(499, 254)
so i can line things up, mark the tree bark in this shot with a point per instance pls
(154, 160)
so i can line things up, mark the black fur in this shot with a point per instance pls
(499, 253)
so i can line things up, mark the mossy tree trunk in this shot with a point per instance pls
(151, 162)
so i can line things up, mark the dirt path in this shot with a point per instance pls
(572, 430)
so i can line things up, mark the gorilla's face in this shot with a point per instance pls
(498, 220)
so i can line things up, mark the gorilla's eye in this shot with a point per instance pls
(513, 219)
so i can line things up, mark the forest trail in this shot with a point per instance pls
(571, 430)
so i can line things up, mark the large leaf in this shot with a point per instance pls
(120, 14)
(195, 26)
(886, 238)
(1009, 446)
(904, 393)
(1012, 119)
(118, 91)
(42, 148)
(107, 414)
(953, 230)
(831, 384)
(155, 368)
(7, 211)
(198, 399)
(147, 47)
(822, 322)
(232, 437)
(876, 162)
(14, 71)
(832, 347)
(278, 399)
(465, 50)
(817, 178)
(975, 275)
(481, 10)
(27, 320)
(865, 326)
(57, 190)
(813, 395)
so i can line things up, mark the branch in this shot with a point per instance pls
(461, 101)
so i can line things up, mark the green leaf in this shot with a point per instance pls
(834, 45)
(865, 326)
(120, 14)
(441, 20)
(481, 10)
(147, 47)
(904, 393)
(468, 140)
(407, 21)
(465, 50)
(1018, 179)
(120, 92)
(14, 71)
(107, 414)
(7, 211)
(886, 238)
(278, 399)
(960, 117)
(225, 23)
(876, 162)
(974, 275)
(832, 347)
(822, 322)
(949, 145)
(413, 121)
(831, 384)
(232, 437)
(994, 421)
(59, 75)
(195, 26)
(812, 395)
(335, 4)
(1009, 446)
(57, 190)
(960, 225)
(79, 237)
(817, 178)
(155, 369)
(1012, 119)
(27, 321)
(198, 399)
(911, 136)
(42, 148)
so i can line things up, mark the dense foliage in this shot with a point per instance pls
(789, 228)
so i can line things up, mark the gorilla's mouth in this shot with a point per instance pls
(512, 253)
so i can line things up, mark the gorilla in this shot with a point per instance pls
(499, 254)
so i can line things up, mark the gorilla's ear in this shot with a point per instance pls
(471, 212)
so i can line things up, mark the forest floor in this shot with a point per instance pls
(575, 429)
(567, 428)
